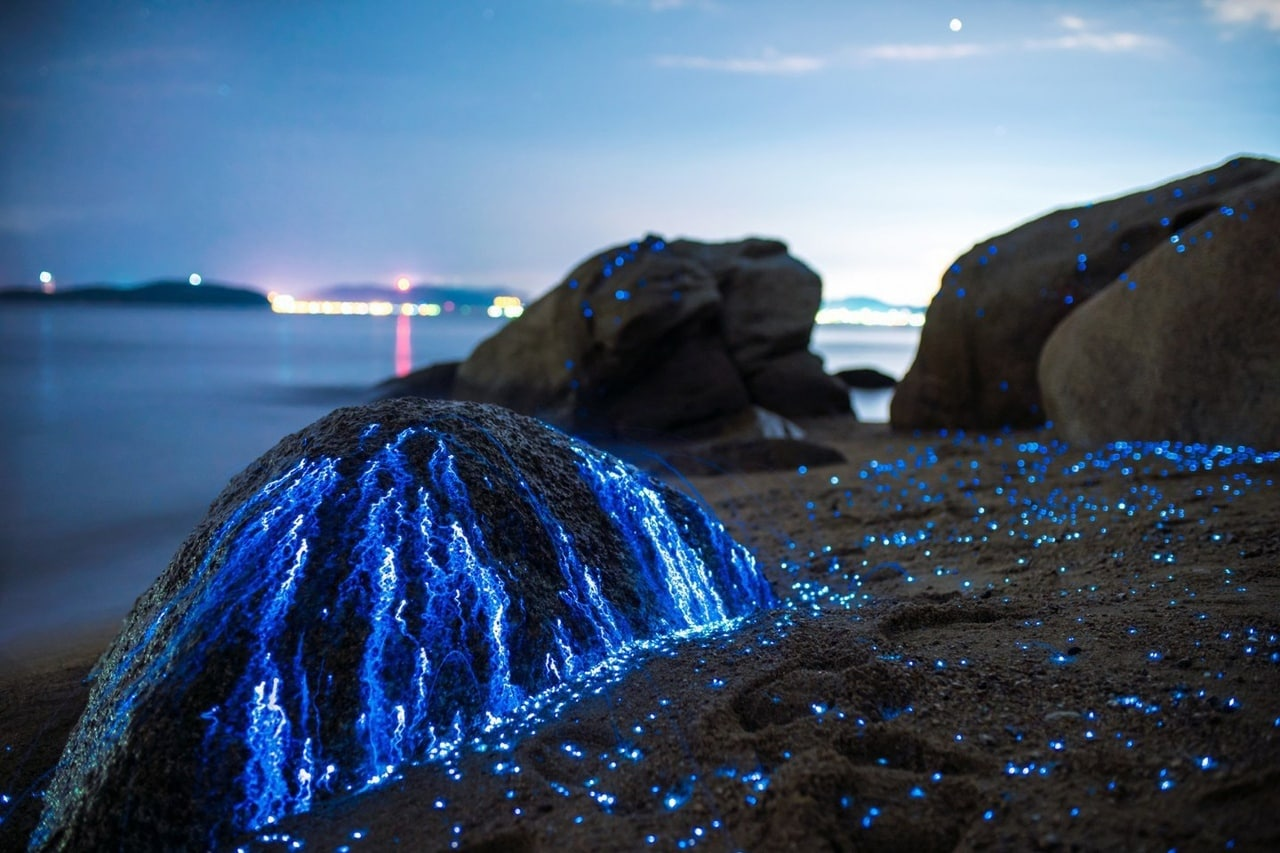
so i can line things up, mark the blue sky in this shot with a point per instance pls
(291, 145)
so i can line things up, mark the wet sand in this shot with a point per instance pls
(988, 642)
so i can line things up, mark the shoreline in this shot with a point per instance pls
(1101, 669)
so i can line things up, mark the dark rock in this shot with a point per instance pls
(769, 298)
(754, 456)
(794, 385)
(593, 336)
(1185, 346)
(999, 302)
(433, 382)
(376, 590)
(656, 338)
(690, 390)
(866, 379)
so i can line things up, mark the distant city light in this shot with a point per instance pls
(956, 24)
(282, 303)
(505, 306)
(402, 284)
(195, 279)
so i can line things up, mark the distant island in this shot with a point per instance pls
(866, 311)
(152, 293)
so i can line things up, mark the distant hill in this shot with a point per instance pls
(152, 293)
(438, 293)
(860, 303)
(866, 311)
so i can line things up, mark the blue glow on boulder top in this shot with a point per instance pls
(380, 588)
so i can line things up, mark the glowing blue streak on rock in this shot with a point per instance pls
(582, 582)
(422, 577)
(271, 554)
(469, 572)
(210, 604)
(643, 520)
(673, 563)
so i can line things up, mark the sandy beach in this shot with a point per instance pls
(986, 642)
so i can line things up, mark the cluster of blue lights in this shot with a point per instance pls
(1007, 502)
(613, 261)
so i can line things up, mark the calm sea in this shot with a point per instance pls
(119, 425)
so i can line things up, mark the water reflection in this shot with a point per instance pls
(404, 347)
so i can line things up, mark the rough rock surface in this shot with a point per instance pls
(999, 302)
(1186, 346)
(658, 338)
(374, 591)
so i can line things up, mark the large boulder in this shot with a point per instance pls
(999, 302)
(378, 589)
(1186, 346)
(655, 338)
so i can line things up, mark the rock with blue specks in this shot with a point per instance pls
(1000, 301)
(655, 339)
(379, 589)
(1185, 348)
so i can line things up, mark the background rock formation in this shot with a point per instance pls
(1186, 346)
(377, 589)
(999, 302)
(656, 338)
(433, 382)
(866, 378)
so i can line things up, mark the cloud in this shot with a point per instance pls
(1266, 12)
(773, 63)
(920, 52)
(770, 62)
(1082, 35)
(1077, 34)
(1099, 42)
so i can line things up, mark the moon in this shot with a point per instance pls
(956, 24)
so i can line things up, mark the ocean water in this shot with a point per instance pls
(119, 425)
(887, 349)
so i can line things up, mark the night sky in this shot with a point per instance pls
(290, 145)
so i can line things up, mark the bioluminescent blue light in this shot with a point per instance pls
(383, 609)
